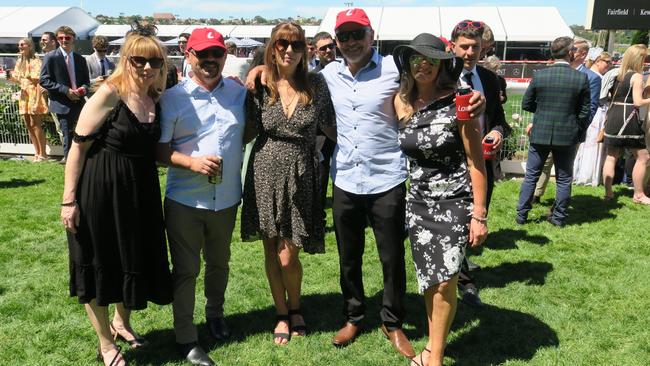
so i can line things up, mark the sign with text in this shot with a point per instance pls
(618, 14)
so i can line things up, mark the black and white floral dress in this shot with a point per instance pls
(439, 200)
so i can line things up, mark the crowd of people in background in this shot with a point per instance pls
(272, 132)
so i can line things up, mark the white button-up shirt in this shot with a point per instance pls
(199, 122)
(367, 158)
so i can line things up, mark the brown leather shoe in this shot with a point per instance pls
(346, 335)
(399, 341)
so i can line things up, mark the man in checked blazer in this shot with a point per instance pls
(65, 76)
(559, 97)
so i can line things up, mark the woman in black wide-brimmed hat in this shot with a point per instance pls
(445, 207)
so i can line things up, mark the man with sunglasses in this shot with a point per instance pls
(466, 41)
(203, 122)
(182, 47)
(48, 42)
(99, 65)
(326, 52)
(65, 76)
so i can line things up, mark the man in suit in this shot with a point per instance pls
(99, 65)
(466, 40)
(560, 98)
(65, 76)
(581, 49)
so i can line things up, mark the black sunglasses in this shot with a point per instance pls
(326, 47)
(297, 46)
(101, 50)
(140, 62)
(214, 52)
(357, 35)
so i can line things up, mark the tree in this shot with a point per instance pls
(640, 37)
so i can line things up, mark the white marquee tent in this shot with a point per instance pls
(509, 24)
(20, 22)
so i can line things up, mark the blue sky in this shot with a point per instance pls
(572, 11)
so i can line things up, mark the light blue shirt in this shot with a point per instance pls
(199, 122)
(367, 158)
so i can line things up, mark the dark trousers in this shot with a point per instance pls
(386, 214)
(563, 157)
(324, 173)
(68, 122)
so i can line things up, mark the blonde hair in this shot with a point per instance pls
(139, 45)
(633, 60)
(292, 32)
(23, 61)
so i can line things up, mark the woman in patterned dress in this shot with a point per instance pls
(445, 207)
(32, 104)
(281, 191)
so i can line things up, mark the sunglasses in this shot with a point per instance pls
(466, 24)
(140, 62)
(283, 44)
(326, 47)
(417, 60)
(357, 35)
(64, 38)
(209, 52)
(103, 50)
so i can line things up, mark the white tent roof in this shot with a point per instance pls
(20, 22)
(514, 24)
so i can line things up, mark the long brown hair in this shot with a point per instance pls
(137, 44)
(408, 90)
(291, 32)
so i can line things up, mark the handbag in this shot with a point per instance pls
(601, 134)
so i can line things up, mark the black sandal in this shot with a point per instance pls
(421, 363)
(285, 336)
(136, 342)
(100, 356)
(300, 330)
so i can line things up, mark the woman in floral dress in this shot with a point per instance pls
(445, 207)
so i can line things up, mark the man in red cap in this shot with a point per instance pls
(203, 123)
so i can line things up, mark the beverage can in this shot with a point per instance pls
(463, 95)
(488, 148)
(215, 179)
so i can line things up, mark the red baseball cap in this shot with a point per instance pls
(202, 38)
(354, 15)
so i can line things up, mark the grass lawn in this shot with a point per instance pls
(578, 295)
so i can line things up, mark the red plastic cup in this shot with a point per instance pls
(462, 103)
(488, 149)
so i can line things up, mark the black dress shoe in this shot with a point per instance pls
(469, 295)
(554, 222)
(218, 328)
(195, 355)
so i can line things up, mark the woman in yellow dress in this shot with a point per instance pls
(32, 104)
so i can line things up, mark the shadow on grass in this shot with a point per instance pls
(505, 239)
(585, 209)
(16, 183)
(493, 336)
(490, 335)
(530, 273)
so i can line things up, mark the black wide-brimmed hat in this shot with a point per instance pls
(430, 46)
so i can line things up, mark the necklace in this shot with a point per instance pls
(285, 107)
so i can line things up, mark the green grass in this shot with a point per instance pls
(571, 296)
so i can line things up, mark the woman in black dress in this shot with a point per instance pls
(623, 125)
(111, 205)
(281, 193)
(445, 204)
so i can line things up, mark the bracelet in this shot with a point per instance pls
(480, 219)
(71, 203)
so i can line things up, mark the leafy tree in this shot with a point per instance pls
(640, 37)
